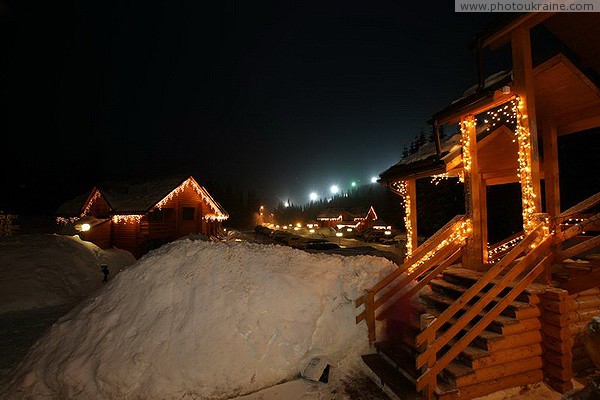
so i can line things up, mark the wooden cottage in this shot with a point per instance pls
(461, 318)
(142, 216)
(357, 219)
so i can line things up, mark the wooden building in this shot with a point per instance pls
(357, 219)
(461, 318)
(142, 216)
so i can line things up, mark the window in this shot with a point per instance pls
(188, 213)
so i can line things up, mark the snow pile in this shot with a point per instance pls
(198, 319)
(52, 270)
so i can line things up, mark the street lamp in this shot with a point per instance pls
(373, 179)
(334, 189)
(313, 196)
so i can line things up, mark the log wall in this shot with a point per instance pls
(564, 319)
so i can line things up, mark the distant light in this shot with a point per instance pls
(298, 224)
(276, 226)
(373, 179)
(286, 204)
(334, 189)
(388, 232)
(85, 227)
(353, 184)
(310, 226)
(296, 228)
(285, 227)
(313, 196)
(339, 234)
(262, 207)
(312, 231)
(349, 229)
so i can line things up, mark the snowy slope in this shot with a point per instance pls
(198, 319)
(52, 270)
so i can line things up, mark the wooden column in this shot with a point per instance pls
(473, 255)
(411, 191)
(523, 86)
(551, 178)
(484, 224)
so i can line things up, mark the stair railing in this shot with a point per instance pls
(499, 249)
(535, 248)
(583, 222)
(436, 254)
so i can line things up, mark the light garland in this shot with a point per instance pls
(528, 194)
(123, 219)
(436, 179)
(88, 206)
(465, 142)
(197, 189)
(66, 220)
(91, 202)
(504, 247)
(401, 189)
(460, 233)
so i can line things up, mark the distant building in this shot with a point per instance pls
(142, 216)
(355, 218)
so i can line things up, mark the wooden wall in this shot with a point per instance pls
(563, 323)
(100, 235)
(125, 235)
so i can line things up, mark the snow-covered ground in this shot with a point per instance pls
(200, 319)
(41, 271)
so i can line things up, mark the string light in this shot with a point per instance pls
(400, 187)
(205, 196)
(436, 179)
(123, 219)
(504, 247)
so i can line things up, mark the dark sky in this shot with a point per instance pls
(282, 97)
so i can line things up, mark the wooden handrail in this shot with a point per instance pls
(582, 206)
(470, 293)
(421, 251)
(494, 294)
(590, 223)
(498, 255)
(425, 263)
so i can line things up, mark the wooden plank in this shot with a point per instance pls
(583, 282)
(551, 175)
(503, 356)
(579, 125)
(579, 248)
(582, 206)
(408, 291)
(524, 88)
(476, 288)
(411, 190)
(474, 249)
(499, 371)
(494, 385)
(480, 326)
(370, 315)
(589, 223)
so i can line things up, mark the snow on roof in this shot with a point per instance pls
(204, 320)
(490, 81)
(140, 197)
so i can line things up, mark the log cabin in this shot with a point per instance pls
(357, 219)
(461, 318)
(142, 216)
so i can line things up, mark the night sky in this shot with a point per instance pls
(284, 98)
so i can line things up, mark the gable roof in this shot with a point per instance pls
(141, 197)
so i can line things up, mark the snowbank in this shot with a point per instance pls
(52, 270)
(198, 319)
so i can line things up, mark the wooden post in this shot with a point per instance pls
(475, 246)
(411, 190)
(523, 86)
(425, 321)
(551, 176)
(484, 224)
(370, 315)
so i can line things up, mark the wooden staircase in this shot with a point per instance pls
(465, 334)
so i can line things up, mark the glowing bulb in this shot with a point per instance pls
(373, 179)
(313, 196)
(85, 227)
(334, 189)
(353, 184)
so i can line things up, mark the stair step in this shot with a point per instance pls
(400, 359)
(391, 377)
(444, 301)
(469, 277)
(494, 385)
(455, 290)
(462, 375)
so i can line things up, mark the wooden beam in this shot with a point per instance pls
(528, 20)
(484, 221)
(477, 107)
(551, 176)
(579, 125)
(579, 248)
(411, 189)
(523, 85)
(475, 246)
